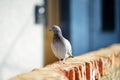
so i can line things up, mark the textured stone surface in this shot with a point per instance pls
(103, 64)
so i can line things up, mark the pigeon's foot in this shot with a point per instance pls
(61, 62)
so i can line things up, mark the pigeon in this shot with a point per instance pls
(61, 47)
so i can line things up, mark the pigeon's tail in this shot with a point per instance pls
(71, 56)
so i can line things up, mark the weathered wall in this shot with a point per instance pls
(19, 37)
(103, 64)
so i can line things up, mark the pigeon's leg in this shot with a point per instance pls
(61, 61)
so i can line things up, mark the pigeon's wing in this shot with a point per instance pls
(68, 47)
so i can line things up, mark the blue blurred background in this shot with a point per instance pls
(90, 24)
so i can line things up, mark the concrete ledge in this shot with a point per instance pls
(103, 64)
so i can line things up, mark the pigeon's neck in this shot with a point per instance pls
(58, 35)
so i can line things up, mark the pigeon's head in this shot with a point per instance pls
(56, 29)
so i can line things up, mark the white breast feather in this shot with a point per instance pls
(61, 51)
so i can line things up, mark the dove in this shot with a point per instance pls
(61, 47)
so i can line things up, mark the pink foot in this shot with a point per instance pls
(61, 62)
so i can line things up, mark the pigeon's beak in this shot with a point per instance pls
(50, 29)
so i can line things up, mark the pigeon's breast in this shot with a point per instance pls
(58, 48)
